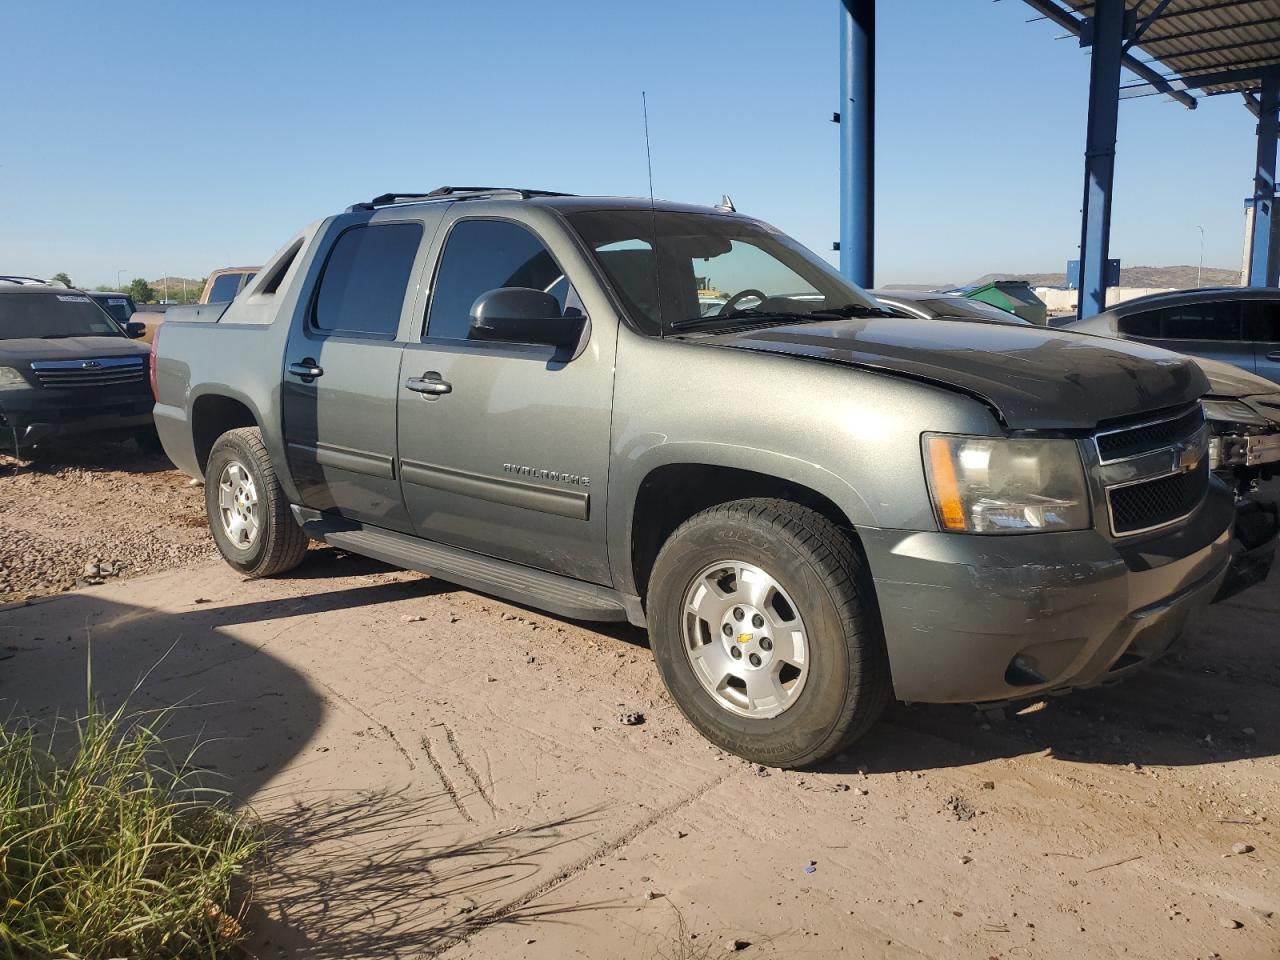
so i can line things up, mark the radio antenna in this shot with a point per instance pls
(653, 215)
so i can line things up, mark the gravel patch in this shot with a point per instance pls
(99, 511)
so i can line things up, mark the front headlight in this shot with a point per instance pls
(1006, 485)
(11, 379)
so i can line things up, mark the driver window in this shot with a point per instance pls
(483, 255)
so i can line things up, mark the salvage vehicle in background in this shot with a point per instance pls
(1243, 412)
(67, 367)
(812, 504)
(1235, 325)
(223, 286)
(933, 305)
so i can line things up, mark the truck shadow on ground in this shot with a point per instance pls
(364, 875)
(252, 712)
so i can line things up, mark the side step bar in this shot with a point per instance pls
(499, 578)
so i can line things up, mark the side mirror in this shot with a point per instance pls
(135, 329)
(523, 315)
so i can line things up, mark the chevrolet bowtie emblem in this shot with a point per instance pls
(744, 638)
(1188, 459)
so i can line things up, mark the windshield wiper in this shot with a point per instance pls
(854, 310)
(61, 336)
(771, 316)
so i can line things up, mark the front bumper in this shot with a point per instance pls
(38, 415)
(975, 619)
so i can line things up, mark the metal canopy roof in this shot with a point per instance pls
(1208, 46)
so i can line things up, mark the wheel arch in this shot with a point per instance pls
(674, 488)
(212, 415)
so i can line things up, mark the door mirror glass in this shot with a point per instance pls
(135, 329)
(523, 315)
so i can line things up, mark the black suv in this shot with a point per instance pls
(67, 366)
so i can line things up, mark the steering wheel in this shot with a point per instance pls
(732, 303)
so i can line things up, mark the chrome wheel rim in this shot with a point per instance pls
(238, 505)
(745, 639)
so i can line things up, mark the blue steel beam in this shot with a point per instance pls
(1197, 81)
(1264, 270)
(1100, 153)
(857, 139)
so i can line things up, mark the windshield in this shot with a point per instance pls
(711, 270)
(53, 316)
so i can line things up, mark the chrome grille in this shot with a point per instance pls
(1156, 503)
(100, 372)
(1154, 473)
(1133, 441)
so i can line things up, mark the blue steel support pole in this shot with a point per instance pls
(857, 139)
(1264, 269)
(1100, 153)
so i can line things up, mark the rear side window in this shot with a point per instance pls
(483, 255)
(1141, 325)
(225, 288)
(1262, 321)
(1201, 321)
(365, 279)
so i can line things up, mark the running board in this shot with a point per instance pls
(499, 578)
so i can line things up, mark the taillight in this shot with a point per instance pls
(151, 362)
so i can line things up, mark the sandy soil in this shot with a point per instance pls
(94, 503)
(448, 776)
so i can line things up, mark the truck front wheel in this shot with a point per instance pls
(248, 513)
(764, 626)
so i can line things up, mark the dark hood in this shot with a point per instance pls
(70, 348)
(1034, 377)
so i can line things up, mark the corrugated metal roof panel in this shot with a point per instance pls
(1193, 38)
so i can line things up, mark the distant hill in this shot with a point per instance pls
(1176, 278)
(175, 283)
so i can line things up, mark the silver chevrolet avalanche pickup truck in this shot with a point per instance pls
(813, 506)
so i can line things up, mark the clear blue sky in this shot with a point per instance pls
(129, 144)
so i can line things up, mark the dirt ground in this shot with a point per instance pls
(447, 775)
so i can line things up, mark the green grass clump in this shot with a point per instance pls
(111, 848)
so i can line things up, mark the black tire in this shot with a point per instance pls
(280, 543)
(821, 568)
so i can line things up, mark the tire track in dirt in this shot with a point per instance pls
(567, 873)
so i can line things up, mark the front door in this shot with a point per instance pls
(508, 453)
(342, 375)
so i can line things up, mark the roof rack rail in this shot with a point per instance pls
(27, 281)
(451, 193)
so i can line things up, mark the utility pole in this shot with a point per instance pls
(1200, 269)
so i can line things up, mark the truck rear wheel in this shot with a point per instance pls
(248, 513)
(764, 626)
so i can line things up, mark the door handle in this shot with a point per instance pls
(307, 369)
(1274, 356)
(430, 386)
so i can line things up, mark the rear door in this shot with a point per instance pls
(342, 372)
(1262, 327)
(510, 458)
